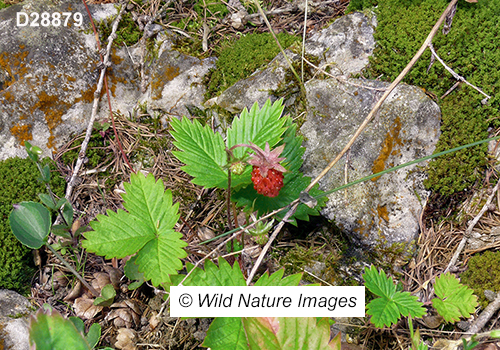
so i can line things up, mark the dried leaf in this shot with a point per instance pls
(115, 276)
(125, 313)
(125, 339)
(432, 321)
(60, 278)
(154, 321)
(100, 280)
(85, 308)
(75, 292)
(205, 233)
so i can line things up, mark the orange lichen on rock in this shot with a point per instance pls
(22, 133)
(159, 80)
(383, 213)
(13, 64)
(391, 140)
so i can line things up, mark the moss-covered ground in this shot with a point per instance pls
(18, 182)
(483, 273)
(471, 49)
(239, 59)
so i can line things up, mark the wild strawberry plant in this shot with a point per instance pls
(454, 299)
(261, 156)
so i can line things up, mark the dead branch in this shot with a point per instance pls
(105, 64)
(485, 316)
(470, 227)
(385, 95)
(455, 75)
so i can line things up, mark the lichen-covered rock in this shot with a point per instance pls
(342, 49)
(48, 75)
(177, 81)
(383, 210)
(14, 312)
(259, 87)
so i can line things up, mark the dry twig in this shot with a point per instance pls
(470, 227)
(455, 75)
(485, 316)
(400, 77)
(106, 63)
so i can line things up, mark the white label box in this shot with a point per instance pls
(302, 301)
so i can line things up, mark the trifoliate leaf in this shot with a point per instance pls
(455, 299)
(146, 229)
(391, 304)
(203, 152)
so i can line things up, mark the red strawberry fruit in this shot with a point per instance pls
(267, 174)
(269, 186)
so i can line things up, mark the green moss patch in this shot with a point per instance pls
(127, 32)
(239, 59)
(18, 182)
(471, 49)
(483, 273)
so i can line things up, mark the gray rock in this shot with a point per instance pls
(345, 45)
(259, 87)
(384, 210)
(177, 81)
(14, 313)
(48, 76)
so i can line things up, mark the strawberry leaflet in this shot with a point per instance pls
(147, 228)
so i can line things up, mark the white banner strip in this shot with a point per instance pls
(254, 301)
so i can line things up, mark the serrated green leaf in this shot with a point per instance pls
(378, 283)
(391, 304)
(203, 152)
(224, 275)
(408, 304)
(30, 222)
(146, 229)
(276, 279)
(455, 299)
(289, 333)
(384, 312)
(257, 126)
(226, 333)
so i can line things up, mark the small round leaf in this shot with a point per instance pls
(30, 223)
